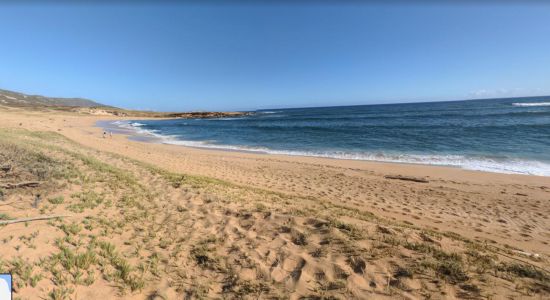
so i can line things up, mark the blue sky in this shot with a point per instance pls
(176, 56)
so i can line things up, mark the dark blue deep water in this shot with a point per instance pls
(499, 135)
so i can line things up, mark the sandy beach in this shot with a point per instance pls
(506, 214)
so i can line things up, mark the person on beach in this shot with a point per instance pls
(104, 134)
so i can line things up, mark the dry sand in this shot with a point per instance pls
(510, 209)
(507, 211)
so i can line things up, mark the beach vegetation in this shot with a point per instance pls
(350, 230)
(133, 223)
(61, 293)
(523, 270)
(56, 200)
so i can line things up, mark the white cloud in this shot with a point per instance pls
(497, 93)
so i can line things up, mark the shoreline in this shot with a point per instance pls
(133, 133)
(336, 179)
(87, 124)
(147, 138)
(365, 210)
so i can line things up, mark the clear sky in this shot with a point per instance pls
(240, 55)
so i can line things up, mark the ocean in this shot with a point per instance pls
(496, 135)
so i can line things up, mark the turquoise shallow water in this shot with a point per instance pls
(498, 135)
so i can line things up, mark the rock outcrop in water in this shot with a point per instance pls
(206, 115)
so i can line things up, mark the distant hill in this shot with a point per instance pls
(15, 99)
(84, 106)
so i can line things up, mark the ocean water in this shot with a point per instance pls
(497, 135)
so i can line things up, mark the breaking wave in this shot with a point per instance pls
(531, 104)
(477, 163)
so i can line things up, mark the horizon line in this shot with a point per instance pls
(412, 102)
(295, 107)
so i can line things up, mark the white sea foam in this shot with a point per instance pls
(530, 104)
(509, 166)
(479, 163)
(225, 119)
(136, 127)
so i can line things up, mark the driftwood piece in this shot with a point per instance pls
(20, 184)
(406, 178)
(32, 219)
